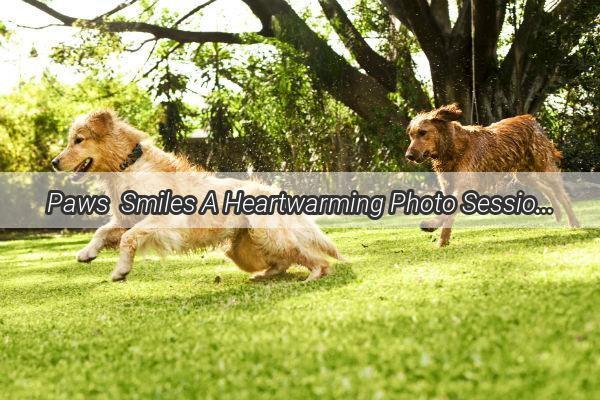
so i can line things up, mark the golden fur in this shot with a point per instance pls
(107, 141)
(515, 144)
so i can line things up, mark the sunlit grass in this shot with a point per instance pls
(498, 314)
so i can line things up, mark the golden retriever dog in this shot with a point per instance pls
(516, 144)
(101, 142)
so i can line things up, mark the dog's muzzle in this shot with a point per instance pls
(411, 155)
(416, 156)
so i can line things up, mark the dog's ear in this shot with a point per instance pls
(451, 112)
(102, 122)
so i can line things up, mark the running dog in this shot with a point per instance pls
(516, 144)
(101, 142)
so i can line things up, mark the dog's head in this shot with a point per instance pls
(87, 138)
(427, 132)
(97, 142)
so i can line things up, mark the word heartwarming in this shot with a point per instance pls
(238, 202)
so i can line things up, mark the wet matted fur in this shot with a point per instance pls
(516, 144)
(101, 142)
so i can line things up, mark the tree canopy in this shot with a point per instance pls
(35, 117)
(337, 93)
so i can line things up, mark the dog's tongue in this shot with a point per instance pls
(82, 166)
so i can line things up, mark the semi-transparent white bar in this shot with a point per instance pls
(54, 200)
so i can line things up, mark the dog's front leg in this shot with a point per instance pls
(130, 242)
(445, 237)
(446, 230)
(448, 220)
(445, 181)
(104, 236)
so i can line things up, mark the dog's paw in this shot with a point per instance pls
(429, 226)
(574, 224)
(86, 255)
(443, 243)
(117, 276)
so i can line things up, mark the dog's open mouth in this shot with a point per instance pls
(426, 156)
(84, 166)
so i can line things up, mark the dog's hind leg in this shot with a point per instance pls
(535, 181)
(318, 271)
(556, 183)
(318, 266)
(275, 268)
(282, 245)
(105, 236)
(247, 254)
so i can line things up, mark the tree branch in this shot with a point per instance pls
(489, 18)
(544, 41)
(193, 11)
(36, 27)
(441, 14)
(409, 87)
(115, 10)
(65, 19)
(360, 92)
(418, 17)
(372, 62)
(263, 13)
(142, 44)
(514, 60)
(162, 59)
(159, 32)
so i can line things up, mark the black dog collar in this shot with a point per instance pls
(135, 154)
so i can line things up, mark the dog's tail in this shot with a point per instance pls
(323, 243)
(556, 154)
(310, 236)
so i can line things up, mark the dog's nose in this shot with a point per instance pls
(55, 162)
(410, 156)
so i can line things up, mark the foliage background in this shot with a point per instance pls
(262, 107)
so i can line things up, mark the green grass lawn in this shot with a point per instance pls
(498, 314)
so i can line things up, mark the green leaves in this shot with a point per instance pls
(34, 118)
(90, 52)
(571, 116)
(4, 33)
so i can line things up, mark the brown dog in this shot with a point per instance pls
(101, 142)
(515, 144)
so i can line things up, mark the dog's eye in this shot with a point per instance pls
(422, 132)
(78, 140)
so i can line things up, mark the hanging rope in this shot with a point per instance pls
(474, 112)
(519, 107)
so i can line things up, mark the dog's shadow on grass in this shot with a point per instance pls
(258, 293)
(231, 288)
